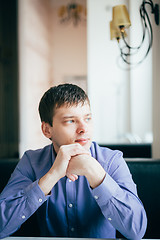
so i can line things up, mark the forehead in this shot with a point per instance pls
(74, 110)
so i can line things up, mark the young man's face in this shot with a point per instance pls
(72, 125)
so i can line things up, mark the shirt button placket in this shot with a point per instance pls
(70, 198)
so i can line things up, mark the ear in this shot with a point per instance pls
(46, 129)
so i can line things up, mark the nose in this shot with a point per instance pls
(82, 127)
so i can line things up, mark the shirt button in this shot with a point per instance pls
(109, 219)
(70, 205)
(72, 229)
(40, 199)
(96, 197)
(23, 217)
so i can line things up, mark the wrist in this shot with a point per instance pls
(95, 174)
(48, 181)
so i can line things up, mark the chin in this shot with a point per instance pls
(88, 145)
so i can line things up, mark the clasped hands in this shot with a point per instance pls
(78, 165)
(76, 161)
(72, 161)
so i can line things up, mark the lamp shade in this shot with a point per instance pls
(120, 16)
(115, 32)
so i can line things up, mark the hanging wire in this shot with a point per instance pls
(127, 51)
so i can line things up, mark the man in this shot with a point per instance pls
(78, 188)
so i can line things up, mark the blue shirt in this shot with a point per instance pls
(73, 209)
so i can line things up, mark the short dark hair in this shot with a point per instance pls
(63, 94)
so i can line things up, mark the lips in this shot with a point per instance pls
(82, 141)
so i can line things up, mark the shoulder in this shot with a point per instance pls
(106, 156)
(36, 161)
(38, 153)
(39, 157)
(96, 150)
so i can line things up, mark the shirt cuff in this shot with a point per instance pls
(106, 190)
(35, 195)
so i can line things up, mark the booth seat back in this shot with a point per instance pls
(6, 168)
(145, 173)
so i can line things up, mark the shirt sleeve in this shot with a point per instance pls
(20, 198)
(118, 200)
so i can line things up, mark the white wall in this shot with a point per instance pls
(141, 79)
(34, 69)
(120, 99)
(156, 91)
(69, 48)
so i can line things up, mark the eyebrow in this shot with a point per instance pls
(66, 117)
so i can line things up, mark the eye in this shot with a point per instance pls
(88, 119)
(69, 121)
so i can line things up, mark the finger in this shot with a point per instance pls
(77, 149)
(72, 177)
(68, 151)
(75, 176)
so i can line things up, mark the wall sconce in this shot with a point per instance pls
(115, 32)
(72, 12)
(121, 21)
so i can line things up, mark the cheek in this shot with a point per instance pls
(90, 127)
(67, 133)
(57, 134)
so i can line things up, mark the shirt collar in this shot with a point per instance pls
(54, 154)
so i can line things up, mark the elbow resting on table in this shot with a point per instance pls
(138, 228)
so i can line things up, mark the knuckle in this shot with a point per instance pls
(62, 149)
